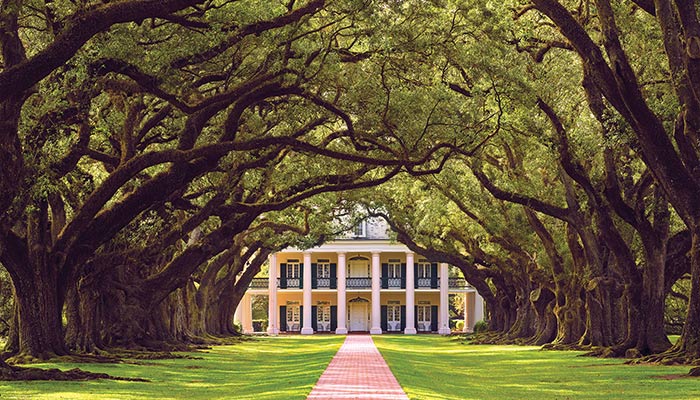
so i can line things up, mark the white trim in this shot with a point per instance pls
(353, 246)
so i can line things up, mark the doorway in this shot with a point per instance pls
(358, 315)
(358, 267)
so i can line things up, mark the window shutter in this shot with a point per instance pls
(334, 276)
(385, 276)
(314, 276)
(283, 318)
(283, 279)
(433, 276)
(403, 277)
(314, 318)
(301, 316)
(301, 276)
(415, 277)
(403, 318)
(433, 318)
(384, 324)
(334, 317)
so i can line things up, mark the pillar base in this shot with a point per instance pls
(375, 331)
(307, 331)
(341, 331)
(248, 331)
(410, 331)
(273, 331)
(444, 331)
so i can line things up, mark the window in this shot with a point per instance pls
(393, 313)
(293, 270)
(423, 318)
(324, 313)
(293, 318)
(424, 270)
(394, 269)
(360, 230)
(324, 270)
(323, 318)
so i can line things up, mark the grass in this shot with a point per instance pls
(433, 367)
(265, 368)
(427, 366)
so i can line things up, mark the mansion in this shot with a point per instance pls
(362, 282)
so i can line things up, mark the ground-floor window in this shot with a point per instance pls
(323, 318)
(293, 319)
(393, 317)
(423, 318)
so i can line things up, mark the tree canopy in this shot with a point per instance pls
(154, 153)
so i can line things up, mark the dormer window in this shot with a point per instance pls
(360, 230)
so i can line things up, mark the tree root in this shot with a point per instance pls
(568, 347)
(12, 373)
(667, 358)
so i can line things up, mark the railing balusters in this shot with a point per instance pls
(359, 283)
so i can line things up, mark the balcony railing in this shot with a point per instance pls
(458, 283)
(393, 283)
(358, 283)
(361, 283)
(426, 283)
(325, 283)
(292, 283)
(259, 283)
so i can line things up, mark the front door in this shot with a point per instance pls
(358, 317)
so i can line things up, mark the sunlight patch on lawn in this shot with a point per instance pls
(265, 368)
(434, 367)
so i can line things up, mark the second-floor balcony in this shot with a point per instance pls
(360, 283)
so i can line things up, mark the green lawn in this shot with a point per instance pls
(427, 366)
(433, 367)
(265, 368)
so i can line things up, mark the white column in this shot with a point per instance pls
(342, 297)
(478, 307)
(237, 316)
(410, 296)
(444, 320)
(376, 328)
(470, 296)
(466, 314)
(307, 329)
(272, 308)
(247, 314)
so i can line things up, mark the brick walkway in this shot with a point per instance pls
(358, 371)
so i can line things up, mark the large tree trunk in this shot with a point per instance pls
(40, 325)
(689, 342)
(652, 336)
(523, 325)
(543, 301)
(83, 314)
(569, 311)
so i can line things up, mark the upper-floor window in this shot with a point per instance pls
(394, 269)
(360, 230)
(424, 269)
(293, 269)
(324, 269)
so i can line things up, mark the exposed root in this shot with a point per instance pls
(12, 373)
(568, 347)
(150, 355)
(667, 358)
